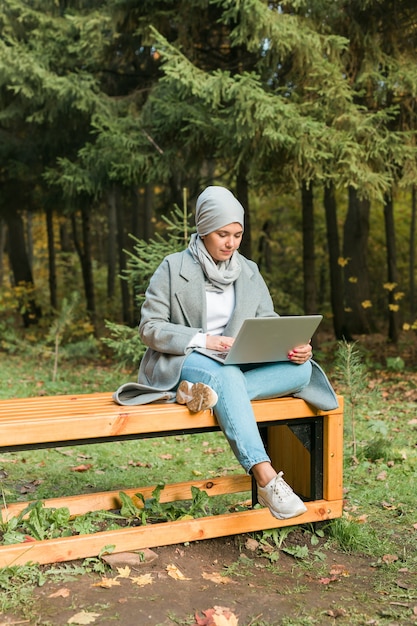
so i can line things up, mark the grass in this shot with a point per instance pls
(380, 472)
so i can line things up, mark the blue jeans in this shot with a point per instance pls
(236, 386)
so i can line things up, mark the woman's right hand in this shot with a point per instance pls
(219, 343)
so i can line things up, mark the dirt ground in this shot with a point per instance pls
(227, 582)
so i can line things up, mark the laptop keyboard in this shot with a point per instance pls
(222, 355)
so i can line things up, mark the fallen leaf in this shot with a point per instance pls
(403, 585)
(175, 573)
(214, 451)
(217, 616)
(139, 464)
(107, 583)
(141, 581)
(390, 558)
(64, 592)
(326, 580)
(251, 544)
(83, 618)
(30, 487)
(124, 572)
(81, 468)
(336, 613)
(338, 570)
(217, 578)
(388, 506)
(382, 475)
(166, 457)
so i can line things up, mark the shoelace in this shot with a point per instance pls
(281, 488)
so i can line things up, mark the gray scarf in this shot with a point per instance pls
(218, 275)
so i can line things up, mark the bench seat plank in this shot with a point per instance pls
(45, 419)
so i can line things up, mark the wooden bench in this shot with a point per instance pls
(306, 443)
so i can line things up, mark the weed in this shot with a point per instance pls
(242, 567)
(277, 535)
(16, 584)
(352, 536)
(354, 380)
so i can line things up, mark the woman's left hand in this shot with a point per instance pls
(300, 354)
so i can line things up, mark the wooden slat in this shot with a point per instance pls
(333, 456)
(83, 546)
(70, 418)
(109, 500)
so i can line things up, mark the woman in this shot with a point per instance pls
(199, 298)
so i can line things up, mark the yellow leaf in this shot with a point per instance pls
(342, 262)
(175, 573)
(224, 617)
(141, 581)
(124, 572)
(64, 592)
(83, 618)
(107, 583)
(217, 578)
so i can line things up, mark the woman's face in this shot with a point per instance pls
(223, 242)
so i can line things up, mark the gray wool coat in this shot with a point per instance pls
(175, 310)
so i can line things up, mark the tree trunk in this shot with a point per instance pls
(242, 195)
(22, 273)
(392, 273)
(27, 220)
(83, 248)
(336, 274)
(121, 245)
(264, 247)
(356, 276)
(148, 224)
(412, 281)
(309, 261)
(53, 295)
(3, 231)
(112, 243)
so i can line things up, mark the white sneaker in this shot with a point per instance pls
(197, 396)
(280, 499)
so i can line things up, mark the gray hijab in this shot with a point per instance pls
(216, 207)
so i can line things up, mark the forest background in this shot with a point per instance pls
(115, 114)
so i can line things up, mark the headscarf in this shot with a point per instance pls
(216, 207)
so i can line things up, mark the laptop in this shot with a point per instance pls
(267, 339)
